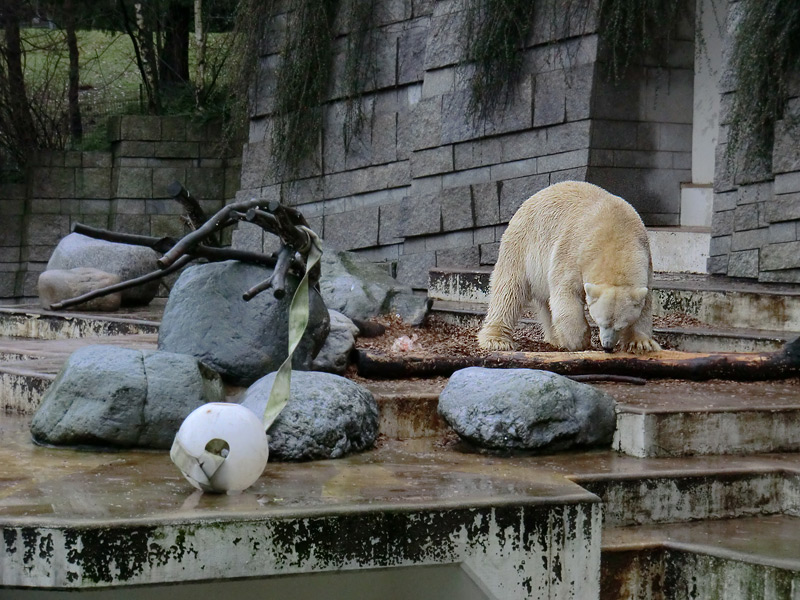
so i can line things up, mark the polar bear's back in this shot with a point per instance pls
(579, 226)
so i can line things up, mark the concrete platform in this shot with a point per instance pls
(421, 515)
(27, 366)
(91, 520)
(679, 418)
(521, 526)
(29, 321)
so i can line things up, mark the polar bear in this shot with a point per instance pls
(569, 244)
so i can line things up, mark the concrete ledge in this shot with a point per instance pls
(713, 559)
(45, 325)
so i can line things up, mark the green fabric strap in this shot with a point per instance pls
(298, 321)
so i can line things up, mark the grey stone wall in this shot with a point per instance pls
(425, 185)
(756, 220)
(641, 146)
(123, 190)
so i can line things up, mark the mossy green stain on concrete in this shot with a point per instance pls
(10, 539)
(108, 555)
(384, 539)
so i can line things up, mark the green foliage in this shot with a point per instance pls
(495, 31)
(766, 56)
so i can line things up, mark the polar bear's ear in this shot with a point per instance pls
(592, 292)
(639, 294)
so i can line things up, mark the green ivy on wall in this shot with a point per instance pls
(766, 58)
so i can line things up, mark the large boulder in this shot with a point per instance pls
(57, 285)
(335, 353)
(206, 317)
(111, 396)
(361, 289)
(327, 416)
(124, 260)
(524, 409)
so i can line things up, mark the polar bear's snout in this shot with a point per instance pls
(608, 339)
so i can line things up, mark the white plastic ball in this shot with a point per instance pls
(221, 447)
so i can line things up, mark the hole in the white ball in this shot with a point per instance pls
(218, 447)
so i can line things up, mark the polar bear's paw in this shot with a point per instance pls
(494, 342)
(642, 345)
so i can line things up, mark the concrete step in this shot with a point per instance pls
(715, 301)
(28, 366)
(659, 419)
(681, 418)
(737, 559)
(680, 249)
(35, 323)
(687, 339)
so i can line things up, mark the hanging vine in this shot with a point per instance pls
(495, 32)
(360, 65)
(302, 82)
(634, 29)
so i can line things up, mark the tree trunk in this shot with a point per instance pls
(200, 40)
(174, 68)
(18, 111)
(74, 107)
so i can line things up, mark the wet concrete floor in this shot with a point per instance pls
(43, 486)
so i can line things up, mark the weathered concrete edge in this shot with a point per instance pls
(496, 542)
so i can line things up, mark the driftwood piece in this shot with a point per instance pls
(195, 213)
(123, 285)
(667, 364)
(277, 281)
(165, 243)
(285, 222)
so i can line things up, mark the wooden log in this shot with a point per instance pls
(666, 364)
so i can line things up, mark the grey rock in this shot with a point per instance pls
(124, 260)
(111, 396)
(524, 409)
(327, 416)
(56, 285)
(361, 289)
(335, 353)
(207, 318)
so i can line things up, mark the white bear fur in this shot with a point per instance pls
(572, 244)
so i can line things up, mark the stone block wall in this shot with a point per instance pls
(425, 185)
(123, 190)
(642, 132)
(756, 220)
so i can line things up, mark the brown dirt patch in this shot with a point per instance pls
(439, 338)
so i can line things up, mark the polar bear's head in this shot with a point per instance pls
(614, 309)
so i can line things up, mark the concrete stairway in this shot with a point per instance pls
(697, 500)
(709, 529)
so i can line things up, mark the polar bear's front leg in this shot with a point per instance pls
(638, 338)
(570, 329)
